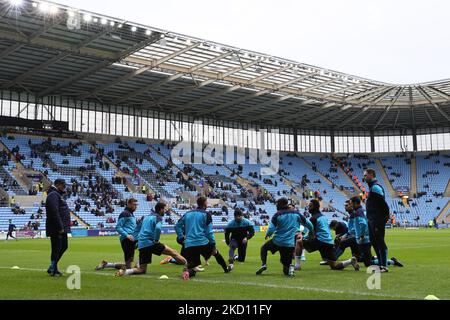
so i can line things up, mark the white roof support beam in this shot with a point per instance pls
(147, 88)
(97, 67)
(30, 38)
(308, 89)
(296, 80)
(438, 92)
(220, 92)
(380, 120)
(396, 118)
(251, 96)
(369, 114)
(276, 100)
(436, 106)
(279, 99)
(429, 117)
(57, 58)
(137, 72)
(172, 78)
(365, 95)
(330, 94)
(351, 118)
(382, 96)
(35, 70)
(267, 75)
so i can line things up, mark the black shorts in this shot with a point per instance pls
(366, 254)
(192, 254)
(145, 254)
(183, 251)
(326, 250)
(350, 243)
(286, 253)
(128, 248)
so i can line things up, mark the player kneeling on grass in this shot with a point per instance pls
(241, 230)
(299, 252)
(322, 241)
(362, 236)
(284, 226)
(345, 234)
(148, 243)
(128, 228)
(195, 230)
(171, 260)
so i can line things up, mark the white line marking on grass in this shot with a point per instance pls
(255, 284)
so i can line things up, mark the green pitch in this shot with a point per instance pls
(425, 253)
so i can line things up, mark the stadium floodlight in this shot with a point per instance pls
(112, 23)
(133, 29)
(120, 26)
(71, 14)
(35, 4)
(53, 9)
(44, 7)
(16, 3)
(95, 20)
(103, 21)
(87, 17)
(148, 32)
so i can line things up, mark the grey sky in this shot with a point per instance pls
(401, 41)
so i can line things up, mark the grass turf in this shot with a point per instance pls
(425, 253)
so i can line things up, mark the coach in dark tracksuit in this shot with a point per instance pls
(57, 224)
(377, 216)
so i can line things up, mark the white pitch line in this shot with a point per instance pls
(255, 284)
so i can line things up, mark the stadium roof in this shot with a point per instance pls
(48, 49)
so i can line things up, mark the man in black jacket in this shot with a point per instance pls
(57, 224)
(377, 216)
(11, 229)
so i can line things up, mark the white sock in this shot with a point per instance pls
(346, 263)
(297, 261)
(110, 265)
(129, 272)
(303, 252)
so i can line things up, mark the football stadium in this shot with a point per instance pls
(169, 167)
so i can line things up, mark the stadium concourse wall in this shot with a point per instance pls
(82, 233)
